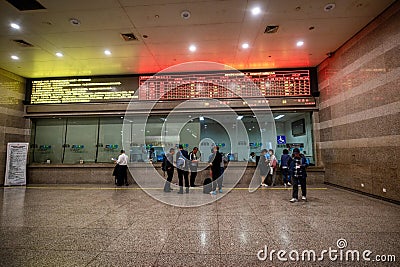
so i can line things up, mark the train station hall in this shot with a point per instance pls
(199, 133)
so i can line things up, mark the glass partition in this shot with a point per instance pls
(48, 140)
(81, 140)
(90, 140)
(110, 139)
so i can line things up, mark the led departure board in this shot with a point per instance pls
(78, 90)
(174, 86)
(216, 84)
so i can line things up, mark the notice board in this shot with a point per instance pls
(17, 154)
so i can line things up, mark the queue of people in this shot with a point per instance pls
(293, 170)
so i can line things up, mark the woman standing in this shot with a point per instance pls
(264, 167)
(273, 165)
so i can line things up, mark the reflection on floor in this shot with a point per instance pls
(90, 226)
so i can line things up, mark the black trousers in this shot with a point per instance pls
(193, 175)
(170, 175)
(183, 174)
(296, 181)
(216, 174)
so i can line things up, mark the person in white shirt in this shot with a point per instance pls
(122, 169)
(252, 157)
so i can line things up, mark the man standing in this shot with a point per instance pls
(169, 168)
(122, 169)
(299, 175)
(193, 166)
(215, 163)
(183, 168)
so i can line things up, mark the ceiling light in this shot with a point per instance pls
(245, 45)
(300, 43)
(185, 14)
(239, 117)
(201, 118)
(192, 48)
(279, 117)
(59, 54)
(74, 21)
(329, 7)
(255, 11)
(107, 52)
(15, 26)
(14, 57)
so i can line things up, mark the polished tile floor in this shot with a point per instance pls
(102, 226)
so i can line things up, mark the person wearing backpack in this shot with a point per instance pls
(263, 167)
(168, 166)
(182, 168)
(298, 173)
(193, 166)
(215, 164)
(273, 163)
(285, 163)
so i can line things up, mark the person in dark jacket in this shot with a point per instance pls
(194, 161)
(298, 172)
(285, 164)
(215, 163)
(169, 168)
(182, 165)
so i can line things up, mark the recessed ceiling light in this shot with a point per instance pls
(256, 10)
(279, 117)
(15, 26)
(59, 54)
(74, 21)
(245, 45)
(329, 7)
(300, 43)
(107, 52)
(239, 117)
(14, 57)
(192, 48)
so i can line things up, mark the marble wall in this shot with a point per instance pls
(13, 126)
(359, 122)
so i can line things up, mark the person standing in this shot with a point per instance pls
(222, 170)
(169, 168)
(183, 168)
(252, 157)
(298, 172)
(194, 162)
(273, 163)
(285, 163)
(122, 169)
(263, 166)
(215, 164)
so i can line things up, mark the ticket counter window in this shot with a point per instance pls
(90, 140)
(110, 139)
(48, 140)
(81, 140)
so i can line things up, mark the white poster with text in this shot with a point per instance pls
(17, 154)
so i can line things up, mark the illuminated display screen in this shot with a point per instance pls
(176, 86)
(80, 90)
(214, 85)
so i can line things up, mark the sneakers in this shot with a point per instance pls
(289, 184)
(264, 185)
(293, 200)
(220, 191)
(304, 198)
(285, 185)
(213, 193)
